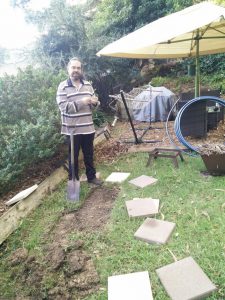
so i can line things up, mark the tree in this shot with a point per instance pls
(20, 3)
(3, 55)
(63, 32)
(117, 18)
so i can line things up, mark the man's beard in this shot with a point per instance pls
(77, 76)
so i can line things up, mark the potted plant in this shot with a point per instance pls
(213, 156)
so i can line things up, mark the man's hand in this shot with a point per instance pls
(94, 100)
(86, 100)
(90, 100)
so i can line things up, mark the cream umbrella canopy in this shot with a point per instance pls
(193, 31)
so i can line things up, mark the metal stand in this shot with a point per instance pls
(137, 140)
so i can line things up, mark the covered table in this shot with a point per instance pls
(153, 104)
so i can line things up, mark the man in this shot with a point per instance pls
(76, 99)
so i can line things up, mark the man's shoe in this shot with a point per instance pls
(95, 181)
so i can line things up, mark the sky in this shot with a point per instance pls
(15, 33)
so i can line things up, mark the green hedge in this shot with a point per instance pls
(29, 121)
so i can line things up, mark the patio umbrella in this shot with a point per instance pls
(191, 32)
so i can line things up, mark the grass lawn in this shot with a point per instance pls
(196, 203)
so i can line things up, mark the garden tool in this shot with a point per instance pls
(73, 186)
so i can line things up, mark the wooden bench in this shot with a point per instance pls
(163, 152)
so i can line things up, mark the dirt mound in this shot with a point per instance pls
(66, 270)
(110, 151)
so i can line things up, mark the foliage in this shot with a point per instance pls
(184, 83)
(181, 4)
(63, 32)
(213, 64)
(159, 81)
(220, 2)
(114, 19)
(20, 3)
(29, 121)
(3, 55)
(209, 64)
(98, 117)
(215, 81)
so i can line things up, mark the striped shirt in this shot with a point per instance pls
(76, 117)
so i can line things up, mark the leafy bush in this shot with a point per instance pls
(158, 81)
(215, 81)
(29, 121)
(98, 117)
(165, 81)
(211, 64)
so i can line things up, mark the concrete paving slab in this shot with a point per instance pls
(130, 286)
(185, 280)
(155, 231)
(83, 177)
(117, 177)
(141, 207)
(143, 181)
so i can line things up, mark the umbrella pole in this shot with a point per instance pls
(197, 70)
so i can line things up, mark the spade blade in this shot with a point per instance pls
(73, 190)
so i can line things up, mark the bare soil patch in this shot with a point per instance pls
(158, 136)
(66, 263)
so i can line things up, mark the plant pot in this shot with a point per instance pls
(215, 163)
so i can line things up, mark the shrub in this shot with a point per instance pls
(29, 121)
(98, 117)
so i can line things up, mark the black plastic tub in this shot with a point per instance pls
(215, 163)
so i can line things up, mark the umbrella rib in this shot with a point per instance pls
(217, 31)
(193, 38)
(212, 28)
(199, 37)
(174, 42)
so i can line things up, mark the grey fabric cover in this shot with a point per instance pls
(154, 102)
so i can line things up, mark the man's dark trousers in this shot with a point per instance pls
(85, 142)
